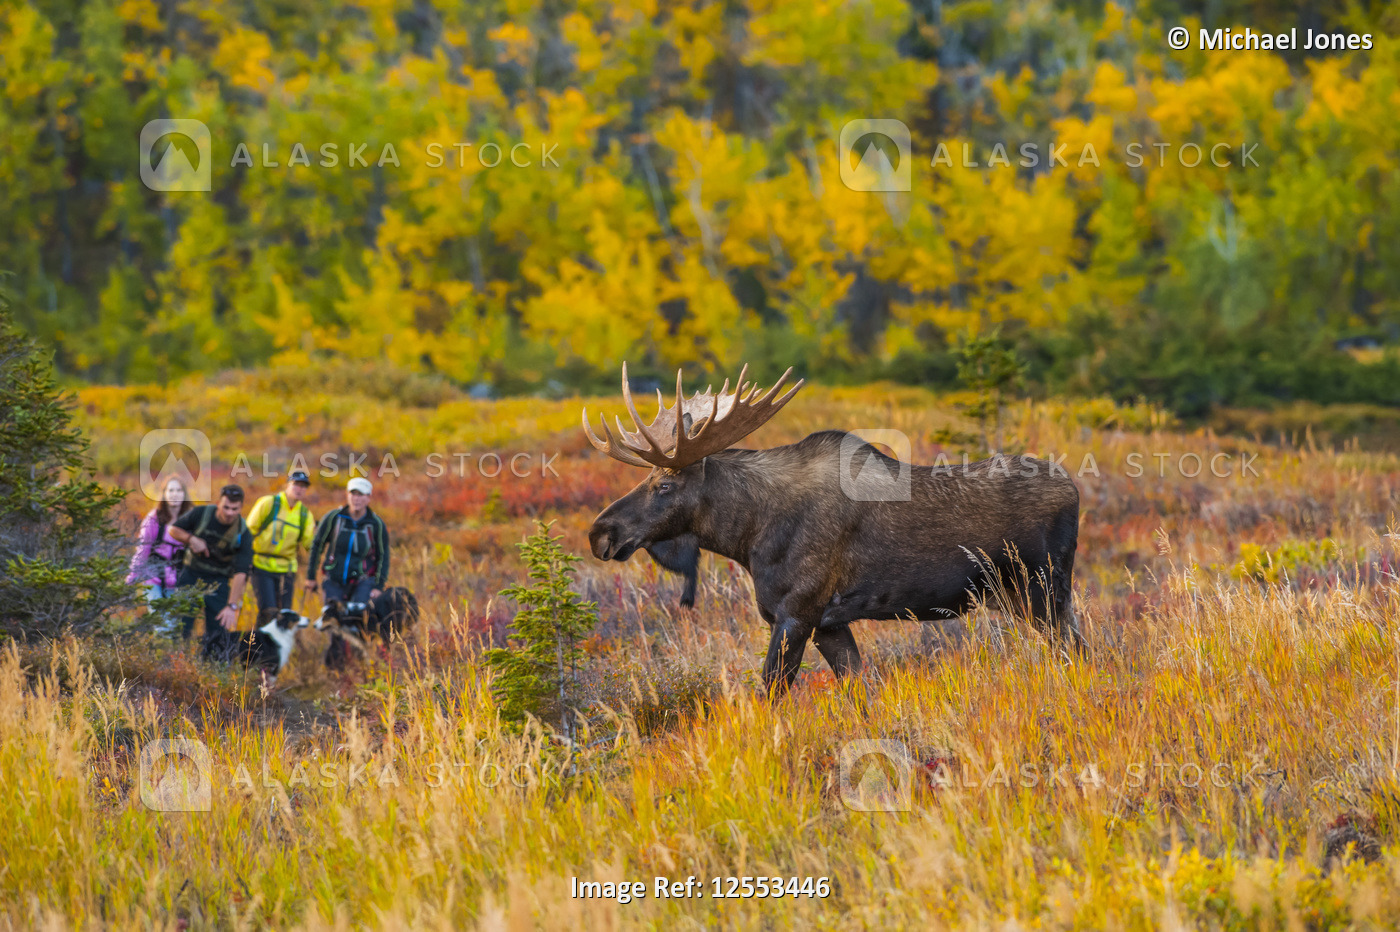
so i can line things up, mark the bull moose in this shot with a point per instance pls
(815, 526)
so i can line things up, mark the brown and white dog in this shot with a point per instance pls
(351, 624)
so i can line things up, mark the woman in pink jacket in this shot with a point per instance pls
(158, 555)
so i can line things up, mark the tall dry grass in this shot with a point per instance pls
(1228, 761)
(1225, 758)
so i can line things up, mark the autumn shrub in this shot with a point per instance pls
(1285, 561)
(143, 664)
(656, 696)
(378, 380)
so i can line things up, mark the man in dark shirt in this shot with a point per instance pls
(351, 547)
(218, 551)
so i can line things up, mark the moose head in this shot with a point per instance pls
(674, 446)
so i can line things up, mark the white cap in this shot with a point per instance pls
(359, 484)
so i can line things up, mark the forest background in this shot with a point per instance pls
(682, 201)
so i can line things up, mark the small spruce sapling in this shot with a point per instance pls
(993, 370)
(533, 673)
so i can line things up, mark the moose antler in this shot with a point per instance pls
(693, 427)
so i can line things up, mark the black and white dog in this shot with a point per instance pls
(352, 623)
(267, 648)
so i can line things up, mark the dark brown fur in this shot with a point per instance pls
(821, 559)
(680, 555)
(388, 614)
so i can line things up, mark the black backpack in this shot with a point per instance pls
(204, 563)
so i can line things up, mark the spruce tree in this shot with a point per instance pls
(993, 370)
(61, 562)
(533, 672)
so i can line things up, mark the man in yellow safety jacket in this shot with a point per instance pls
(281, 524)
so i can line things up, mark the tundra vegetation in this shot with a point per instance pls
(1225, 758)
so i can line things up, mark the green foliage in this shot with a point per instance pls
(534, 673)
(992, 369)
(493, 510)
(1258, 562)
(681, 203)
(61, 566)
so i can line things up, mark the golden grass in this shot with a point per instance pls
(1226, 758)
(1188, 772)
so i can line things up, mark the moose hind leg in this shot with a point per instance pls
(838, 647)
(1062, 584)
(785, 650)
(1066, 621)
(1052, 607)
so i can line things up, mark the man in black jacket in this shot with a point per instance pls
(219, 552)
(352, 548)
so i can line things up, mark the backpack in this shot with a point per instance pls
(272, 516)
(191, 558)
(346, 524)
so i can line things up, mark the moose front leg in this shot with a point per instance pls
(785, 649)
(838, 646)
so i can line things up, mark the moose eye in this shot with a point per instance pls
(665, 488)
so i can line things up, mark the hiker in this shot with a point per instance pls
(281, 524)
(352, 547)
(156, 560)
(219, 552)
